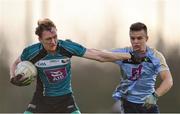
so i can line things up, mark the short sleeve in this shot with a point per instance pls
(74, 48)
(24, 55)
(162, 62)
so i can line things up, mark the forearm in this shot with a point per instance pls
(165, 85)
(112, 56)
(105, 56)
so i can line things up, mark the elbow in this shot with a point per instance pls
(102, 59)
(170, 83)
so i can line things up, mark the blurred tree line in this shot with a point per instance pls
(93, 84)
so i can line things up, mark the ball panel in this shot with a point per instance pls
(26, 69)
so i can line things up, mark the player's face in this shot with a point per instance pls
(49, 40)
(138, 40)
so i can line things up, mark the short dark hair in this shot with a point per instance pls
(44, 24)
(138, 26)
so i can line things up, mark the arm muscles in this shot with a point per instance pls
(166, 83)
(105, 56)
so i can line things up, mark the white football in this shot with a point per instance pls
(26, 69)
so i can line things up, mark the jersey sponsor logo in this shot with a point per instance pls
(136, 73)
(56, 75)
(41, 63)
(52, 62)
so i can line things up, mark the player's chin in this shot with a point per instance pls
(136, 49)
(52, 48)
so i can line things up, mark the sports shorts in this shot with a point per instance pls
(55, 104)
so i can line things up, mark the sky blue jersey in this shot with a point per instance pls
(138, 80)
(54, 70)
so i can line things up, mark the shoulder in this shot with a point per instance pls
(157, 58)
(156, 53)
(33, 46)
(31, 50)
(72, 47)
(67, 42)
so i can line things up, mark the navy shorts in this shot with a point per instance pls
(130, 107)
(57, 104)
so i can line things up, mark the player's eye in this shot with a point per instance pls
(132, 38)
(139, 38)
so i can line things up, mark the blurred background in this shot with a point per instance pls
(102, 24)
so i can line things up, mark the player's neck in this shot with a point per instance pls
(142, 51)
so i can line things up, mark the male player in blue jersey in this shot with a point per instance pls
(136, 91)
(52, 58)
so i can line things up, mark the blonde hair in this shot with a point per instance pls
(44, 25)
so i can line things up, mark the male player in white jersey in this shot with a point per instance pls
(136, 90)
(52, 58)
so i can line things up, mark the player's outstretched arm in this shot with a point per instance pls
(105, 56)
